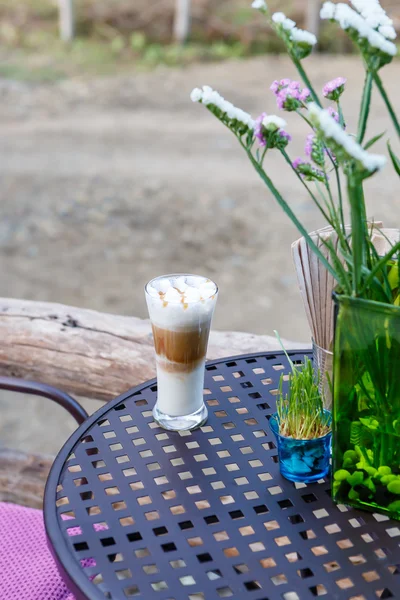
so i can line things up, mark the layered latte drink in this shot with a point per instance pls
(180, 309)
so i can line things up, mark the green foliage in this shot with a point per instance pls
(242, 16)
(116, 31)
(21, 72)
(138, 41)
(118, 44)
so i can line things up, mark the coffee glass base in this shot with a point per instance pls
(183, 422)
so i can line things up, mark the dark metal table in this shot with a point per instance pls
(134, 511)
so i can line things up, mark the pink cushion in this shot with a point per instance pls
(27, 569)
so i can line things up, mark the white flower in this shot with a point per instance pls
(296, 35)
(302, 36)
(288, 24)
(259, 4)
(281, 19)
(273, 122)
(375, 16)
(331, 130)
(327, 10)
(376, 40)
(208, 96)
(230, 110)
(388, 32)
(372, 20)
(349, 18)
(196, 95)
(278, 17)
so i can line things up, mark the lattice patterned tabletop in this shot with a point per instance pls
(133, 511)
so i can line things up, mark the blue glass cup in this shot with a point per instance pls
(303, 461)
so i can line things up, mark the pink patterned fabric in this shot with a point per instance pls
(27, 569)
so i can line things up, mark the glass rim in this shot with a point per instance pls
(320, 348)
(364, 304)
(172, 275)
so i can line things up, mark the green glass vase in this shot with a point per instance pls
(366, 413)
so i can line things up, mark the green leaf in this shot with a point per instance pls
(379, 266)
(395, 160)
(365, 106)
(370, 423)
(373, 140)
(342, 276)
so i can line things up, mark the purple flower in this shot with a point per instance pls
(333, 114)
(297, 162)
(275, 86)
(309, 145)
(289, 95)
(307, 171)
(285, 135)
(258, 129)
(315, 150)
(305, 95)
(334, 89)
(288, 99)
(280, 99)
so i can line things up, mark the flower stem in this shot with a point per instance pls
(340, 113)
(356, 199)
(340, 195)
(320, 207)
(379, 85)
(263, 155)
(305, 119)
(304, 76)
(365, 106)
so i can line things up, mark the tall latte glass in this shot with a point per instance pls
(180, 308)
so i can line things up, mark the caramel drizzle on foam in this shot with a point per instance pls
(182, 294)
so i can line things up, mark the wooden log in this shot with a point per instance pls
(23, 477)
(92, 354)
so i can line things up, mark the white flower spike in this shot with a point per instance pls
(281, 19)
(303, 37)
(375, 16)
(259, 5)
(296, 35)
(208, 96)
(351, 19)
(388, 31)
(196, 95)
(278, 17)
(328, 10)
(331, 130)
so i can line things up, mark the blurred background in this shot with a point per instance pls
(110, 175)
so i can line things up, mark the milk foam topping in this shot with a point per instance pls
(179, 301)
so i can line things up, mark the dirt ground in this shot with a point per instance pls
(109, 182)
